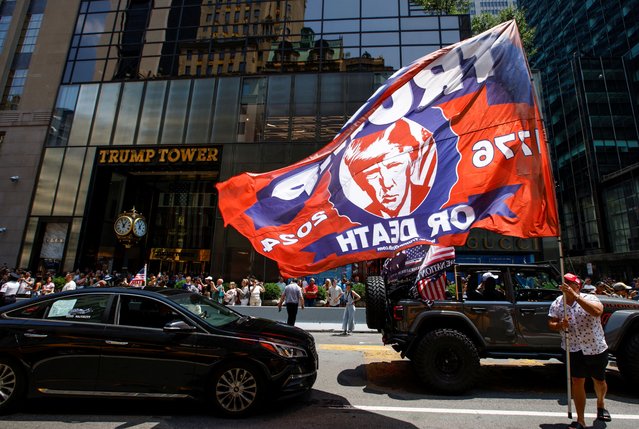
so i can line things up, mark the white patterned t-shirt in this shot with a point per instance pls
(585, 331)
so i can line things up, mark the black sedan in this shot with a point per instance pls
(145, 344)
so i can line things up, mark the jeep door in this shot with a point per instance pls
(535, 288)
(491, 311)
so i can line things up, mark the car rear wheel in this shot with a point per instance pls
(11, 385)
(447, 361)
(237, 389)
(375, 302)
(627, 360)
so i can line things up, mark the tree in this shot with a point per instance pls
(444, 7)
(486, 21)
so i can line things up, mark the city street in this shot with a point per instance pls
(362, 383)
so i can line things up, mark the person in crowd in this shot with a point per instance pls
(219, 291)
(579, 318)
(48, 287)
(245, 293)
(281, 283)
(9, 289)
(70, 283)
(293, 298)
(208, 286)
(26, 284)
(621, 289)
(601, 288)
(189, 285)
(489, 287)
(348, 321)
(588, 288)
(310, 293)
(256, 289)
(471, 290)
(231, 296)
(333, 294)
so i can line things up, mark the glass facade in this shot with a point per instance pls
(588, 54)
(149, 85)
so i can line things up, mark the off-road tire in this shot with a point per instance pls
(12, 385)
(376, 308)
(627, 361)
(237, 389)
(446, 361)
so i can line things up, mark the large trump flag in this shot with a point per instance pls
(451, 142)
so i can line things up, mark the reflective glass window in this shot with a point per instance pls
(278, 108)
(128, 113)
(226, 102)
(175, 116)
(49, 175)
(200, 111)
(420, 38)
(83, 115)
(341, 9)
(105, 114)
(374, 8)
(63, 116)
(85, 180)
(69, 181)
(151, 113)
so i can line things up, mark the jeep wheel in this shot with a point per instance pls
(447, 361)
(627, 360)
(375, 302)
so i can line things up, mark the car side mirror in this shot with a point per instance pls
(178, 326)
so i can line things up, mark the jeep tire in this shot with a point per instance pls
(627, 359)
(375, 302)
(446, 361)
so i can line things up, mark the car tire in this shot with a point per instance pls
(447, 361)
(12, 385)
(375, 302)
(627, 360)
(236, 389)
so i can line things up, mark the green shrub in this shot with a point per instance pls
(321, 293)
(360, 289)
(59, 283)
(178, 285)
(272, 291)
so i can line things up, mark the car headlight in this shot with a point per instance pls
(284, 350)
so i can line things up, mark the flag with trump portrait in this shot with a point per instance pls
(451, 142)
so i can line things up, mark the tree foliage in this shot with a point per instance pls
(444, 7)
(486, 21)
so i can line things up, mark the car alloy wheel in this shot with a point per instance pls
(8, 384)
(236, 390)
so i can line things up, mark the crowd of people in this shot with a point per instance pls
(610, 287)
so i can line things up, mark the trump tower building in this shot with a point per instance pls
(159, 100)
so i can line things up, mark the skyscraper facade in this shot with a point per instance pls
(588, 56)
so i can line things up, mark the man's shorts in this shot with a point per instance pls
(583, 366)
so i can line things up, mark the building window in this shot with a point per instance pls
(13, 90)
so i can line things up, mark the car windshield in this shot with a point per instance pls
(213, 313)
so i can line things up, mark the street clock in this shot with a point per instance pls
(129, 227)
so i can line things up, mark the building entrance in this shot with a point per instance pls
(180, 210)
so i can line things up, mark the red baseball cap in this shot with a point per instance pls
(569, 277)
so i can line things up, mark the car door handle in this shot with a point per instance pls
(527, 310)
(117, 343)
(478, 309)
(34, 335)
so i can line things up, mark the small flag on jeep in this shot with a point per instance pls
(431, 279)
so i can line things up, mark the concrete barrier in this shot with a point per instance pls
(310, 318)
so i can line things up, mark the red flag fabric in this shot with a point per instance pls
(139, 279)
(451, 142)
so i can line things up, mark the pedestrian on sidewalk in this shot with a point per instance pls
(588, 348)
(293, 298)
(350, 298)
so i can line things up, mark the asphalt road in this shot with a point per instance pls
(362, 384)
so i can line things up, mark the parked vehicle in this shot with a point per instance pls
(445, 339)
(143, 344)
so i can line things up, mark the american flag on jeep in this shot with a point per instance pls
(431, 280)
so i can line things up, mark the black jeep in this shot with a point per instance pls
(446, 338)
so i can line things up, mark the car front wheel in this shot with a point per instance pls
(447, 361)
(237, 389)
(627, 360)
(11, 385)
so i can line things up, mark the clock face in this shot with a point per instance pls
(123, 225)
(139, 227)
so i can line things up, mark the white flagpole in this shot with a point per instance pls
(145, 275)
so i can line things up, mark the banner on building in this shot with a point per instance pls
(451, 142)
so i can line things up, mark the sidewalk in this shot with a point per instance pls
(314, 319)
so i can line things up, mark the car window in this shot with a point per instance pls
(483, 284)
(84, 308)
(535, 284)
(145, 312)
(213, 313)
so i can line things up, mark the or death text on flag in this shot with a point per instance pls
(451, 142)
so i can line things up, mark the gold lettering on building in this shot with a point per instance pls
(169, 155)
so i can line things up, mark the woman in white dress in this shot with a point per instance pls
(244, 298)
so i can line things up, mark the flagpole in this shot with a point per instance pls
(145, 275)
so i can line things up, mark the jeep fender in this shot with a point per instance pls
(435, 319)
(618, 324)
